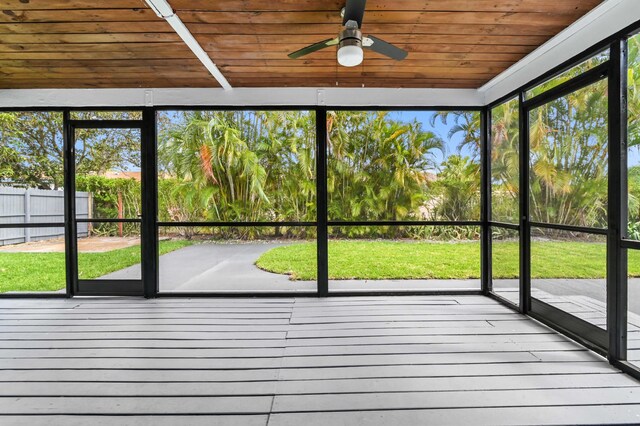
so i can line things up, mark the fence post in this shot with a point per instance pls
(120, 214)
(89, 199)
(27, 214)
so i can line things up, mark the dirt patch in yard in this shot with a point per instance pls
(85, 245)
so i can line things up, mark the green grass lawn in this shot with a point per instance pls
(46, 271)
(420, 260)
(347, 260)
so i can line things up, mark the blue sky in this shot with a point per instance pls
(440, 129)
(633, 157)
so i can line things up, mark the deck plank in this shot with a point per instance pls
(446, 370)
(141, 420)
(455, 399)
(137, 405)
(489, 416)
(299, 387)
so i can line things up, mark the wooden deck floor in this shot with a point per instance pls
(303, 361)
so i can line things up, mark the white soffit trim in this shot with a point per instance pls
(269, 96)
(603, 21)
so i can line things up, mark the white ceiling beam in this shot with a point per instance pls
(164, 10)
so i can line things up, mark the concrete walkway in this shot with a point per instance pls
(223, 267)
(592, 288)
(231, 267)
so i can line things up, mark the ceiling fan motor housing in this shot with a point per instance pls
(350, 37)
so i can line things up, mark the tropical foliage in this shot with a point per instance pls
(32, 149)
(458, 190)
(568, 156)
(574, 71)
(112, 199)
(568, 152)
(633, 135)
(378, 168)
(505, 162)
(260, 166)
(230, 166)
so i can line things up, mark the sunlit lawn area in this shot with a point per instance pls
(46, 271)
(421, 260)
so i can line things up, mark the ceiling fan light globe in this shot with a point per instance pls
(350, 55)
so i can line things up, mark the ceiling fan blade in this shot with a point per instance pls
(384, 48)
(354, 11)
(314, 47)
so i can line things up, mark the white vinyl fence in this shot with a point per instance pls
(18, 205)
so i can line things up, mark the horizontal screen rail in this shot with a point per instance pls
(85, 220)
(405, 223)
(576, 83)
(630, 244)
(106, 287)
(106, 124)
(330, 223)
(234, 224)
(571, 228)
(32, 225)
(278, 294)
(505, 225)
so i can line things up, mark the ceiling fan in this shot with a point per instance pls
(350, 40)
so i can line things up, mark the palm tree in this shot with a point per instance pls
(633, 97)
(633, 134)
(569, 151)
(457, 188)
(378, 167)
(465, 123)
(286, 148)
(239, 166)
(219, 177)
(505, 162)
(568, 156)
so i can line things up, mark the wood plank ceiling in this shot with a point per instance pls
(122, 43)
